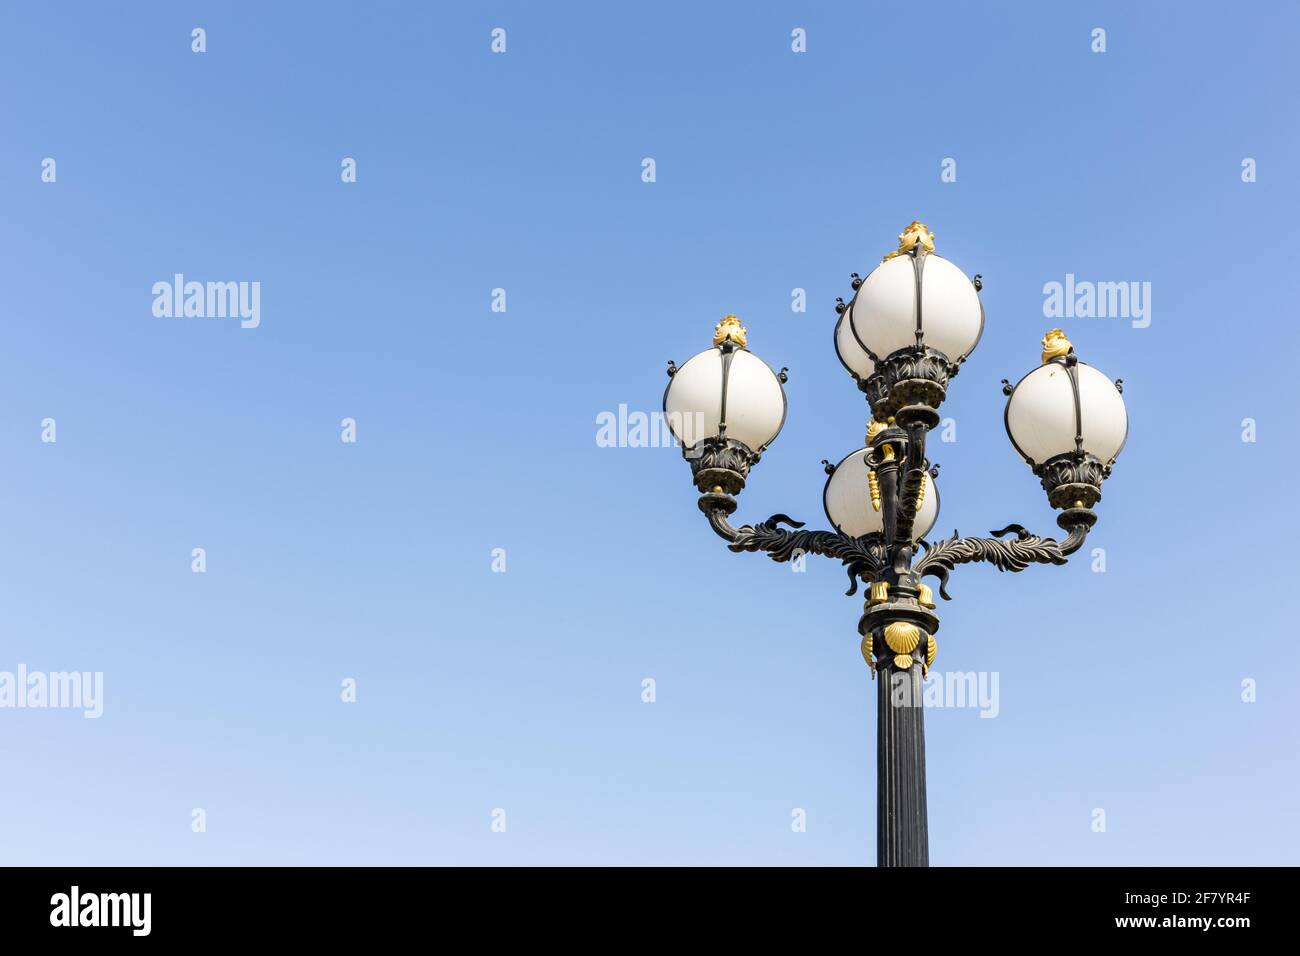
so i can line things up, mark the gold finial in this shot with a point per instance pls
(918, 233)
(1055, 344)
(729, 330)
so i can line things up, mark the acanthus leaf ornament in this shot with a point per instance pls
(1013, 554)
(864, 558)
(721, 463)
(910, 376)
(1074, 476)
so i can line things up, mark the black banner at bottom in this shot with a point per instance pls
(93, 905)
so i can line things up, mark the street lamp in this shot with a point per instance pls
(725, 406)
(904, 336)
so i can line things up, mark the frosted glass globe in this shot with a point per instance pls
(1041, 415)
(883, 315)
(754, 400)
(847, 500)
(852, 357)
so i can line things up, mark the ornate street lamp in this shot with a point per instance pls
(911, 324)
(725, 406)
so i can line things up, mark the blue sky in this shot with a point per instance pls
(476, 430)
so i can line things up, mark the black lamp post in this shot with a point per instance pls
(912, 323)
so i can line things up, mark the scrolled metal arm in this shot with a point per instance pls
(1005, 554)
(864, 558)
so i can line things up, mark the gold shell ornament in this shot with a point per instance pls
(931, 652)
(867, 648)
(729, 329)
(1055, 344)
(902, 637)
(903, 661)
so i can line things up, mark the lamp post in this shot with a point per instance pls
(904, 336)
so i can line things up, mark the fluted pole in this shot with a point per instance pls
(902, 834)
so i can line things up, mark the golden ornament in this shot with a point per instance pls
(1055, 344)
(916, 234)
(729, 329)
(902, 637)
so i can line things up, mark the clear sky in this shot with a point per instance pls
(476, 430)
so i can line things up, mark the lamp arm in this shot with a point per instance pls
(1011, 554)
(863, 557)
